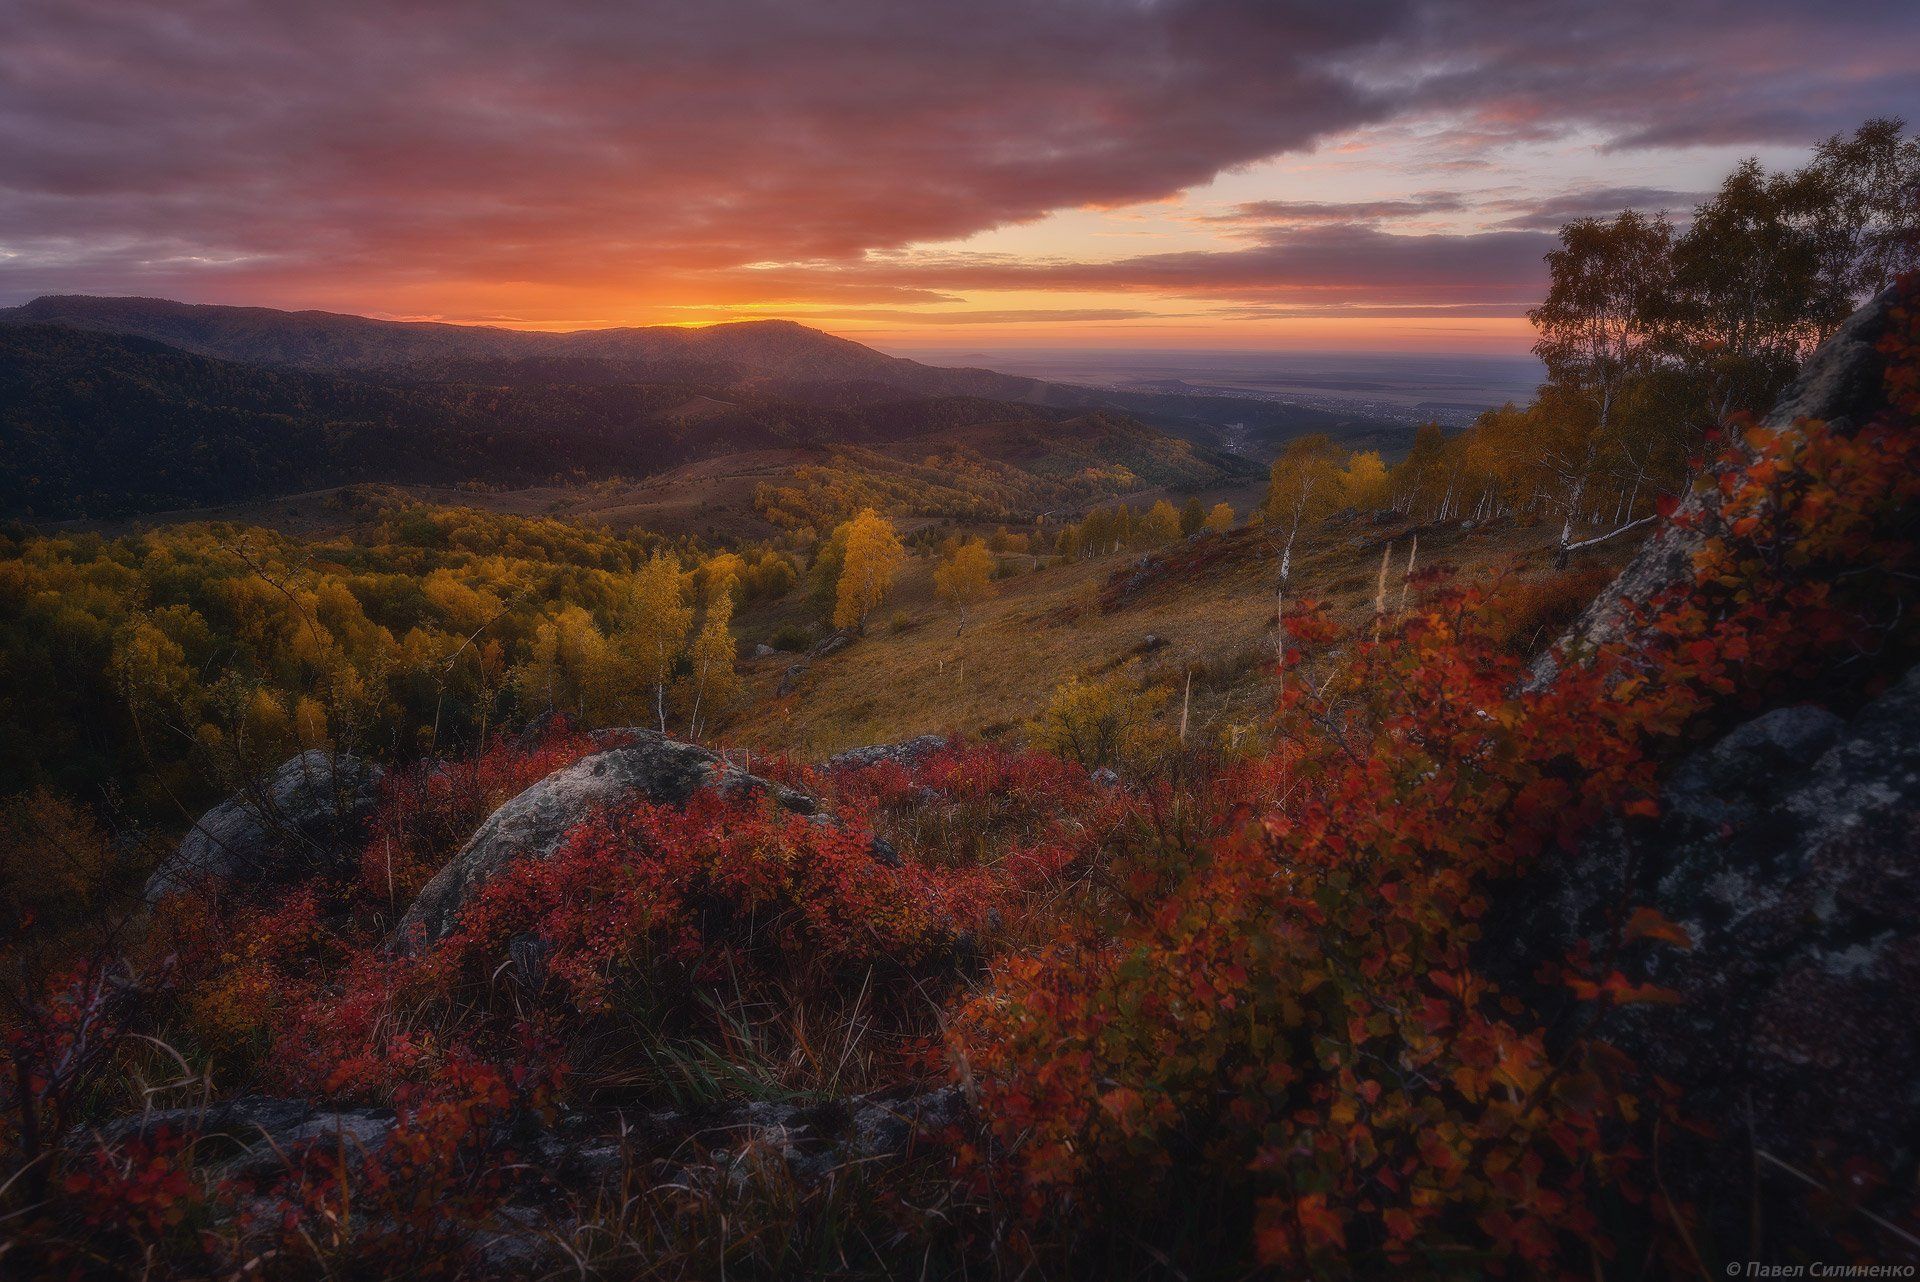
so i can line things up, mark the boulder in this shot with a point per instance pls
(905, 753)
(645, 766)
(1787, 851)
(253, 1137)
(307, 817)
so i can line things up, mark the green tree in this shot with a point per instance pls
(1192, 516)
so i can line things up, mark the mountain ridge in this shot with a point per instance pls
(94, 424)
(345, 342)
(766, 358)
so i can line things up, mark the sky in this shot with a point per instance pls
(918, 174)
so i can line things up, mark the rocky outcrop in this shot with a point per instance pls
(307, 817)
(1789, 852)
(907, 753)
(256, 1142)
(1840, 383)
(645, 766)
(254, 1136)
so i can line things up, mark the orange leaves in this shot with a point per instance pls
(1618, 990)
(1649, 924)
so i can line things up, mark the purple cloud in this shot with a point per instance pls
(484, 156)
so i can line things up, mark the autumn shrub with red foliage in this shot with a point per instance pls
(414, 1203)
(1291, 1054)
(1256, 1037)
(682, 895)
(428, 812)
(1030, 815)
(670, 905)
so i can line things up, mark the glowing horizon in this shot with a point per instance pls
(1185, 174)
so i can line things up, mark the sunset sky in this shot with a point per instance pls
(1369, 174)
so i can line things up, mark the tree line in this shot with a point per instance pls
(1653, 335)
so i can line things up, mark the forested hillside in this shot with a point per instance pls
(716, 355)
(96, 425)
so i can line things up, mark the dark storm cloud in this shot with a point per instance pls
(570, 141)
(228, 147)
(1642, 73)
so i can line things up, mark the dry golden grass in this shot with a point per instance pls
(928, 670)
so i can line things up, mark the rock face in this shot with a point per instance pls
(1840, 382)
(260, 1141)
(1789, 851)
(906, 753)
(306, 818)
(646, 766)
(256, 1137)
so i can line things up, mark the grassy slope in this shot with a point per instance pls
(990, 676)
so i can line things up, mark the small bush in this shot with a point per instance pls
(791, 638)
(1104, 724)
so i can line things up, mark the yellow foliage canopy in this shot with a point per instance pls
(874, 557)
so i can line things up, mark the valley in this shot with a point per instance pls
(1451, 388)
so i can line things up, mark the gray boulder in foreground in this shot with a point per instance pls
(307, 817)
(1789, 853)
(646, 766)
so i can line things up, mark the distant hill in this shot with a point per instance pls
(778, 360)
(715, 355)
(102, 425)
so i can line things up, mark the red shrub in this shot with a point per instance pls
(427, 813)
(1292, 1044)
(711, 887)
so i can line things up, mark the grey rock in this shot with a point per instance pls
(247, 1118)
(519, 1241)
(355, 1135)
(906, 753)
(254, 1137)
(883, 853)
(307, 817)
(764, 651)
(814, 1141)
(648, 767)
(1787, 850)
(1727, 781)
